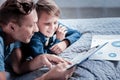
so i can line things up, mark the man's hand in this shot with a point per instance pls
(20, 67)
(50, 60)
(59, 72)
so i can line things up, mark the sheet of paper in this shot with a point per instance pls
(111, 51)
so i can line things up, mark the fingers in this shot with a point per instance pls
(60, 33)
(47, 63)
(62, 29)
(58, 59)
(55, 49)
(50, 59)
(70, 71)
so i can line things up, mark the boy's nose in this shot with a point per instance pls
(52, 26)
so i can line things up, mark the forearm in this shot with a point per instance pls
(66, 42)
(31, 65)
(2, 76)
(20, 66)
(43, 77)
(72, 35)
(46, 76)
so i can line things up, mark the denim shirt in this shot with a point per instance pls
(37, 44)
(5, 51)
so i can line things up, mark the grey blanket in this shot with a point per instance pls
(94, 69)
(89, 69)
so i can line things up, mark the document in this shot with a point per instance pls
(111, 51)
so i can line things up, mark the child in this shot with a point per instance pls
(53, 37)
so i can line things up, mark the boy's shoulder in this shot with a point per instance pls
(38, 35)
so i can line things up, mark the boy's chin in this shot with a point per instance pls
(49, 36)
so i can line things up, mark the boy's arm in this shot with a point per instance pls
(60, 47)
(71, 35)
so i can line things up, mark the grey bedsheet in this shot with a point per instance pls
(90, 69)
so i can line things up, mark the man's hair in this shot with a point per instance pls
(15, 10)
(48, 6)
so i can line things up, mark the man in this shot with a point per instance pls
(18, 20)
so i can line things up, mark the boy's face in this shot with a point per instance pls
(47, 24)
(27, 28)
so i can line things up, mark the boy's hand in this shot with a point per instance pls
(61, 32)
(59, 47)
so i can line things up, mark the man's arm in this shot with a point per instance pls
(20, 66)
(59, 72)
(2, 76)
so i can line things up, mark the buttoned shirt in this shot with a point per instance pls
(5, 51)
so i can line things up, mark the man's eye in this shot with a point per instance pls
(30, 26)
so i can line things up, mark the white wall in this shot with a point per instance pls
(1, 1)
(87, 8)
(88, 3)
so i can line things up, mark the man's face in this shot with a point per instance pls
(25, 32)
(47, 24)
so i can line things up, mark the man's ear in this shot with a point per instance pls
(11, 26)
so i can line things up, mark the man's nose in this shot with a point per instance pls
(36, 28)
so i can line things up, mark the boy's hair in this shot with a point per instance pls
(48, 6)
(15, 10)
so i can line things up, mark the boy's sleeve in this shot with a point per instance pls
(36, 47)
(72, 35)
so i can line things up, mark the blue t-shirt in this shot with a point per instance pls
(37, 44)
(5, 50)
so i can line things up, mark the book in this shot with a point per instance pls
(84, 55)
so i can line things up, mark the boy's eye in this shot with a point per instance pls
(55, 22)
(47, 23)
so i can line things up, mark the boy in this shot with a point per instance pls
(59, 36)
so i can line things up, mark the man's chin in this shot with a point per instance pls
(27, 41)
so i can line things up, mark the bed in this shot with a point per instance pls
(89, 69)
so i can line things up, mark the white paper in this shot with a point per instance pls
(111, 51)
